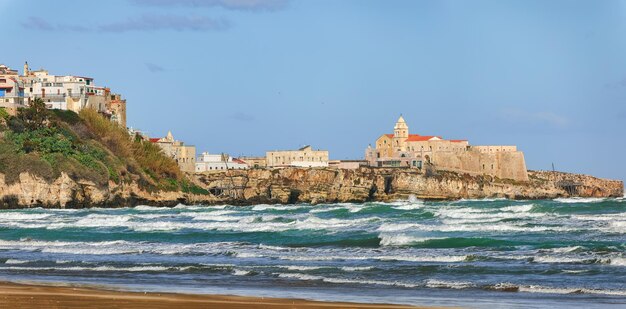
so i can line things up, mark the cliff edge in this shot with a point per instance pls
(301, 185)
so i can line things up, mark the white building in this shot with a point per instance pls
(217, 162)
(59, 92)
(303, 157)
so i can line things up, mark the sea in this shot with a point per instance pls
(488, 253)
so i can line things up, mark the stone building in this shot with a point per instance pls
(11, 90)
(402, 149)
(184, 155)
(115, 107)
(303, 157)
(218, 162)
(254, 162)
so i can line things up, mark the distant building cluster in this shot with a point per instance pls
(402, 149)
(65, 92)
(398, 150)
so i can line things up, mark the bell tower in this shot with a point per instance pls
(26, 68)
(400, 134)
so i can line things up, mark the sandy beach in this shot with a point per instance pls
(38, 296)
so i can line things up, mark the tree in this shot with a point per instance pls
(34, 116)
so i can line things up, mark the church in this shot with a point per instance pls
(402, 149)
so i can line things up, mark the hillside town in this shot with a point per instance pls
(400, 149)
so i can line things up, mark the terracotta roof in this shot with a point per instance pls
(458, 140)
(154, 140)
(238, 161)
(389, 135)
(419, 138)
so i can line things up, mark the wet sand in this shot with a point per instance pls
(14, 295)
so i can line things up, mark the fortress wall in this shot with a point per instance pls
(505, 165)
(512, 165)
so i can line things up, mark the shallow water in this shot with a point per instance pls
(474, 253)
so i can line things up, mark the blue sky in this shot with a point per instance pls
(246, 76)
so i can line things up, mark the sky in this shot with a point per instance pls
(248, 76)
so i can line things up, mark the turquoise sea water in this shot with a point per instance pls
(473, 253)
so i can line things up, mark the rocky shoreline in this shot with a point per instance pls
(303, 185)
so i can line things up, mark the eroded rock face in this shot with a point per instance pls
(303, 185)
(318, 185)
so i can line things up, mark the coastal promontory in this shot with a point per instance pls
(60, 159)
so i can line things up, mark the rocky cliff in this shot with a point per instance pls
(292, 185)
(307, 185)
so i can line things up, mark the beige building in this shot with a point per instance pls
(184, 155)
(402, 149)
(303, 157)
(254, 162)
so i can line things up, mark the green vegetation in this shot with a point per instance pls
(86, 146)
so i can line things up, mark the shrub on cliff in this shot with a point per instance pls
(35, 116)
(86, 146)
(142, 156)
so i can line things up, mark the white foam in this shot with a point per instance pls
(574, 271)
(519, 208)
(303, 268)
(565, 249)
(97, 268)
(513, 212)
(618, 261)
(14, 261)
(411, 205)
(21, 216)
(431, 259)
(481, 200)
(396, 227)
(557, 259)
(500, 227)
(152, 208)
(197, 207)
(261, 207)
(219, 215)
(407, 258)
(319, 209)
(306, 277)
(239, 272)
(574, 200)
(356, 268)
(432, 283)
(548, 290)
(402, 239)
